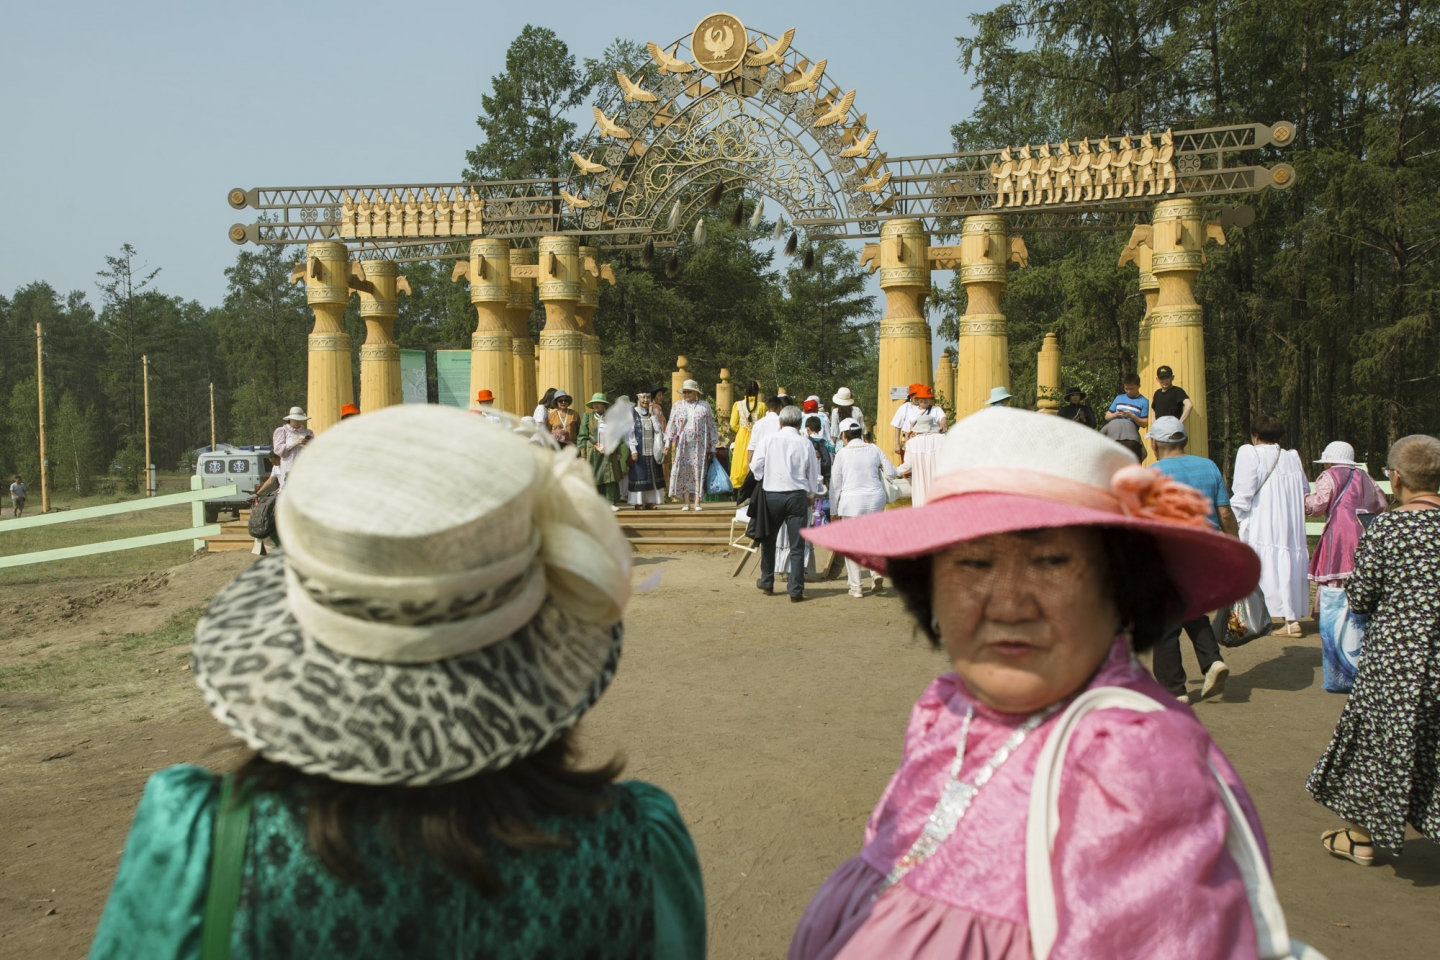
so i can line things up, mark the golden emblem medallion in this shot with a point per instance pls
(718, 43)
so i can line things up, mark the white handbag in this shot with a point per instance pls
(1044, 823)
(893, 490)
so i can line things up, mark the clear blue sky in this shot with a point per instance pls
(128, 122)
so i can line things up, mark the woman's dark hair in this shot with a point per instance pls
(752, 389)
(548, 401)
(845, 413)
(1269, 429)
(1145, 597)
(451, 821)
(854, 433)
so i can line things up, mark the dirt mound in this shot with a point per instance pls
(67, 606)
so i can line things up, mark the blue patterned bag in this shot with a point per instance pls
(1342, 631)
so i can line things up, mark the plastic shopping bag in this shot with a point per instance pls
(717, 480)
(1342, 631)
(1242, 621)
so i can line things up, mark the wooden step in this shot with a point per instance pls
(228, 542)
(680, 541)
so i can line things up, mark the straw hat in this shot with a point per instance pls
(296, 413)
(1003, 470)
(689, 386)
(1339, 452)
(457, 631)
(843, 398)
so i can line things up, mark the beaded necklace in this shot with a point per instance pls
(957, 796)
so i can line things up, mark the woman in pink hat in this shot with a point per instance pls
(1052, 800)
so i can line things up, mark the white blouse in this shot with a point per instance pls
(855, 487)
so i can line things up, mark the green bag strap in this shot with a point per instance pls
(227, 861)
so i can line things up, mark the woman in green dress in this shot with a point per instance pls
(408, 681)
(607, 467)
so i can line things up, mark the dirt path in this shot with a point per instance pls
(775, 726)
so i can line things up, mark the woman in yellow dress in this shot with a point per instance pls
(743, 415)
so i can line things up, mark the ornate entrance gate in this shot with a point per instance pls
(724, 109)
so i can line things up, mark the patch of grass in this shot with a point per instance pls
(108, 666)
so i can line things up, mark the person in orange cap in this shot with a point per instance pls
(483, 405)
(349, 410)
(920, 404)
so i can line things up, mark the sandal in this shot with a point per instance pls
(1330, 841)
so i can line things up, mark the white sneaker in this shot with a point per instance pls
(878, 584)
(697, 508)
(1215, 679)
(685, 509)
(614, 509)
(858, 593)
(1183, 697)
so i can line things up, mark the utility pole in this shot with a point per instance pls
(40, 389)
(149, 467)
(212, 416)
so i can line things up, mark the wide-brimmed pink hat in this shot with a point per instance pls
(1003, 470)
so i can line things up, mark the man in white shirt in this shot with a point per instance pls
(766, 425)
(789, 472)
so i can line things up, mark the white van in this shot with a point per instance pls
(246, 467)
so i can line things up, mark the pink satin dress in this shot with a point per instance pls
(1139, 866)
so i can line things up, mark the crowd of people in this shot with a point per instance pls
(407, 683)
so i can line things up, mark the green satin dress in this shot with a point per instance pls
(628, 885)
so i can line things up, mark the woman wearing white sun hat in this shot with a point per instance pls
(1053, 801)
(693, 434)
(289, 439)
(843, 407)
(408, 680)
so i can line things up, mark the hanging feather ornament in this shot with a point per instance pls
(674, 220)
(791, 244)
(647, 255)
(755, 217)
(809, 262)
(712, 199)
(672, 266)
(700, 233)
(779, 228)
(738, 216)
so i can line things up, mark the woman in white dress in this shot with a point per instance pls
(856, 489)
(1269, 502)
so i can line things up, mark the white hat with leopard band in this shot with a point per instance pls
(422, 638)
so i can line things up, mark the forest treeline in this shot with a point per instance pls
(1323, 311)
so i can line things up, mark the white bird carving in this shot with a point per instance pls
(876, 185)
(807, 79)
(573, 200)
(609, 127)
(773, 52)
(838, 113)
(718, 41)
(632, 90)
(860, 148)
(665, 61)
(587, 165)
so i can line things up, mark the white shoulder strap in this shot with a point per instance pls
(1044, 823)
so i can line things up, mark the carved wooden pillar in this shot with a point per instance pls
(904, 332)
(724, 400)
(984, 344)
(678, 376)
(1177, 336)
(523, 360)
(329, 384)
(1047, 377)
(561, 344)
(380, 354)
(492, 359)
(585, 319)
(945, 379)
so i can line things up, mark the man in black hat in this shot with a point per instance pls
(1170, 400)
(1076, 408)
